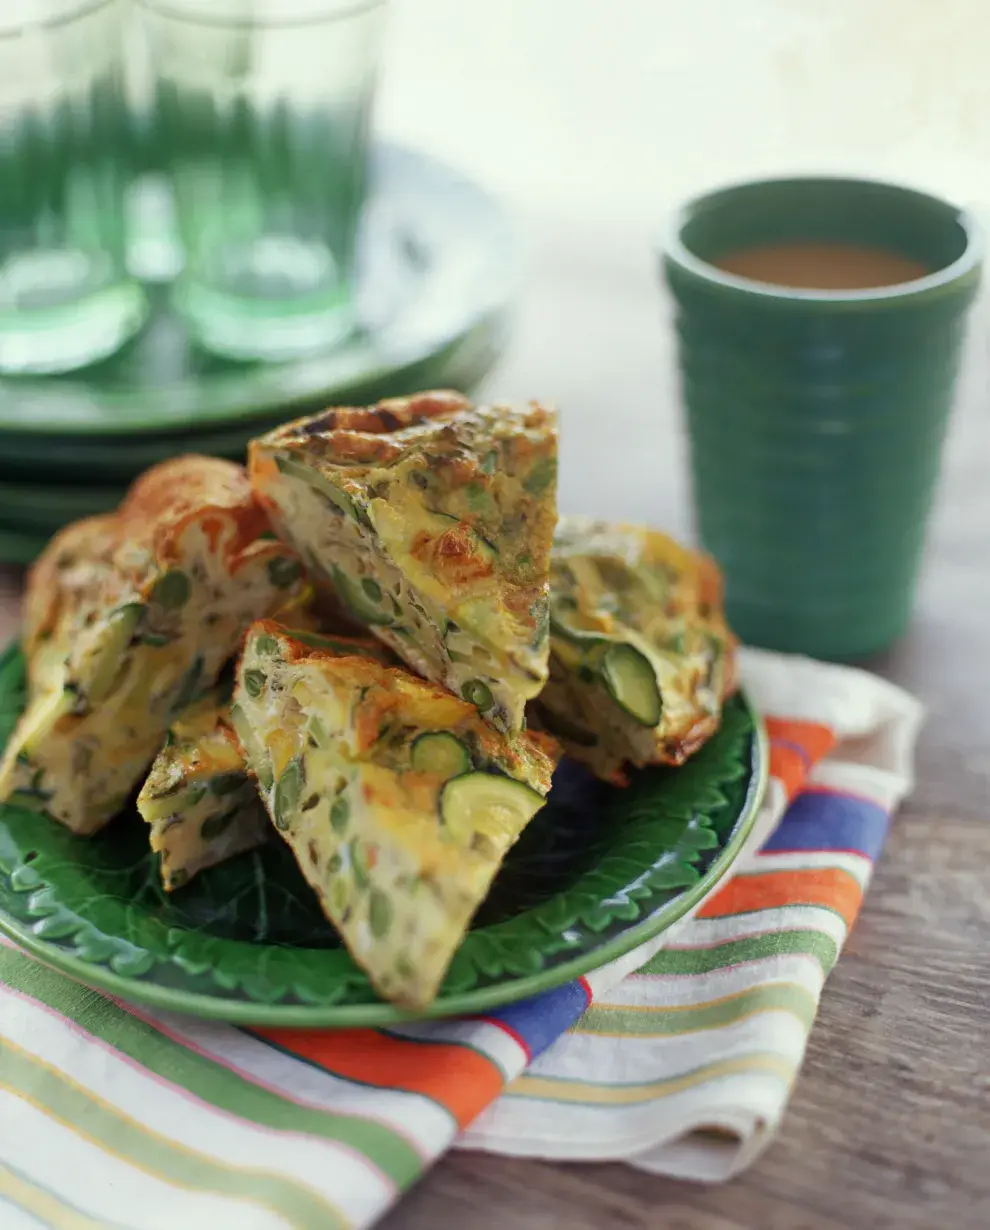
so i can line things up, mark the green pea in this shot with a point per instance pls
(287, 792)
(371, 588)
(172, 590)
(254, 681)
(340, 814)
(380, 913)
(284, 572)
(266, 644)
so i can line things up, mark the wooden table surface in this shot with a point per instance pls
(889, 1126)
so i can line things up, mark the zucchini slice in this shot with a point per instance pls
(632, 683)
(579, 636)
(121, 626)
(172, 590)
(319, 482)
(479, 694)
(488, 804)
(438, 751)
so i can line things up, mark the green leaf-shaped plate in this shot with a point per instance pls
(597, 872)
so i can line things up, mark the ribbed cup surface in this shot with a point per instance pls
(816, 431)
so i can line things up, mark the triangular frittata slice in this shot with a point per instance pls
(397, 800)
(187, 564)
(641, 656)
(433, 520)
(199, 799)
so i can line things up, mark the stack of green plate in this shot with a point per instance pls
(438, 276)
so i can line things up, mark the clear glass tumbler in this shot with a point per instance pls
(262, 113)
(66, 299)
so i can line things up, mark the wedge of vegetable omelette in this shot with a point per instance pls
(397, 800)
(641, 657)
(153, 602)
(433, 520)
(199, 799)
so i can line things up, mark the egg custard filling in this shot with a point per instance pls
(63, 596)
(641, 657)
(186, 565)
(432, 519)
(398, 801)
(199, 800)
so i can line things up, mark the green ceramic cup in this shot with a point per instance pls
(816, 418)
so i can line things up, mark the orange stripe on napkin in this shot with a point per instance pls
(794, 747)
(827, 886)
(789, 766)
(462, 1080)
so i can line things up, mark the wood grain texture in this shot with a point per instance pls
(889, 1125)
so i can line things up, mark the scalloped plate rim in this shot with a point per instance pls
(510, 990)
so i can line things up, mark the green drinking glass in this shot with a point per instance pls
(820, 324)
(261, 118)
(66, 297)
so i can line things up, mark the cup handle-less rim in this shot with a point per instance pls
(672, 250)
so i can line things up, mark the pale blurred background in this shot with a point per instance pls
(612, 111)
(592, 119)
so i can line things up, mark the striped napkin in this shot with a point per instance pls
(678, 1057)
